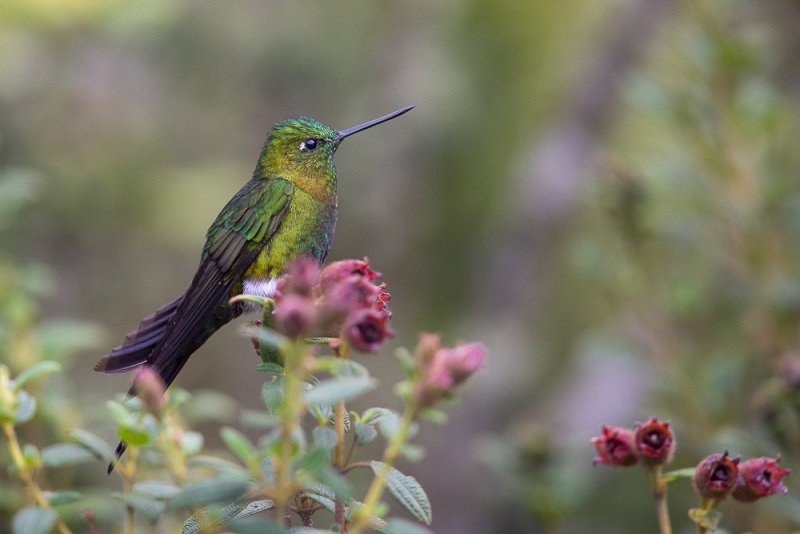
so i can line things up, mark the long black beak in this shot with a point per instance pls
(370, 124)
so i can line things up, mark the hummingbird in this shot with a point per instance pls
(287, 209)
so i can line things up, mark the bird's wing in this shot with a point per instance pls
(233, 242)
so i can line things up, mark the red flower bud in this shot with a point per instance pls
(295, 314)
(716, 476)
(654, 442)
(151, 390)
(366, 329)
(615, 447)
(352, 293)
(760, 477)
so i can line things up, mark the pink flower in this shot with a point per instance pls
(446, 369)
(366, 329)
(302, 274)
(295, 314)
(760, 477)
(654, 442)
(615, 447)
(339, 270)
(716, 476)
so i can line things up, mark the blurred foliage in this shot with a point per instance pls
(670, 286)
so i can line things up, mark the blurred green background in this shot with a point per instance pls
(607, 194)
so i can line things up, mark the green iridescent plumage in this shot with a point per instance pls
(287, 209)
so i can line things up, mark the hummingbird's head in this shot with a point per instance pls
(301, 150)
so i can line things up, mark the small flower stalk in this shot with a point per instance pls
(652, 444)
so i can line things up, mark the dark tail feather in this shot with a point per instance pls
(140, 343)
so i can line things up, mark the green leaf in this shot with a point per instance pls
(272, 393)
(218, 516)
(269, 337)
(62, 454)
(678, 474)
(270, 367)
(31, 455)
(435, 416)
(57, 498)
(94, 444)
(389, 424)
(341, 368)
(338, 485)
(133, 436)
(253, 299)
(221, 466)
(339, 389)
(148, 508)
(373, 415)
(415, 453)
(407, 491)
(120, 413)
(325, 437)
(324, 500)
(264, 526)
(35, 371)
(255, 419)
(33, 520)
(26, 407)
(406, 362)
(156, 489)
(397, 525)
(314, 461)
(219, 489)
(239, 445)
(365, 433)
(192, 442)
(705, 518)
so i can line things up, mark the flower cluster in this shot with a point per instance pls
(340, 301)
(443, 369)
(651, 443)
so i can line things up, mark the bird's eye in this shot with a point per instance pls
(309, 145)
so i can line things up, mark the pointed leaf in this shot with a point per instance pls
(272, 393)
(407, 491)
(219, 516)
(148, 508)
(705, 518)
(677, 474)
(220, 489)
(35, 371)
(133, 436)
(62, 454)
(94, 444)
(271, 368)
(397, 525)
(61, 497)
(365, 433)
(339, 389)
(325, 437)
(341, 368)
(240, 445)
(314, 461)
(156, 489)
(33, 520)
(26, 407)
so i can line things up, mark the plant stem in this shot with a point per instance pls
(128, 473)
(25, 473)
(375, 490)
(294, 373)
(659, 485)
(338, 453)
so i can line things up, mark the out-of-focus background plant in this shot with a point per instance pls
(605, 193)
